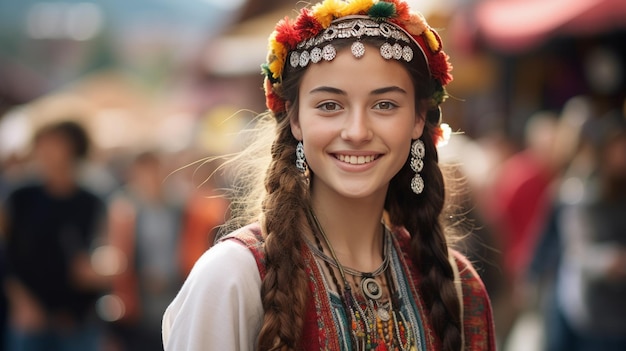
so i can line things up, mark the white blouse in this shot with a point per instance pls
(219, 305)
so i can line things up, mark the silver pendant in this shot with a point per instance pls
(383, 314)
(371, 288)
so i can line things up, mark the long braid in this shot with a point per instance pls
(421, 215)
(284, 289)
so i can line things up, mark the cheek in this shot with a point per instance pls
(318, 130)
(403, 148)
(403, 144)
(315, 139)
(402, 134)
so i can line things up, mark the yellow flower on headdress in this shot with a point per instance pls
(416, 24)
(356, 7)
(279, 50)
(276, 57)
(431, 39)
(327, 11)
(276, 67)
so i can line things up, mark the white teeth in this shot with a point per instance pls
(356, 160)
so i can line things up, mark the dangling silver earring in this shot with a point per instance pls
(300, 160)
(418, 151)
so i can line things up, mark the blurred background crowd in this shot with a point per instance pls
(109, 108)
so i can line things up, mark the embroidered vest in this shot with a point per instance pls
(319, 330)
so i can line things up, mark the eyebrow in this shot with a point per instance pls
(325, 89)
(390, 89)
(379, 91)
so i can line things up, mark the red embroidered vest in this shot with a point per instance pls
(319, 328)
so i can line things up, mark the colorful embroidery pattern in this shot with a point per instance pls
(321, 329)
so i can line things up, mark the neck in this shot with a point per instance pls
(62, 182)
(353, 228)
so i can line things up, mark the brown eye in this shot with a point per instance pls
(384, 105)
(329, 106)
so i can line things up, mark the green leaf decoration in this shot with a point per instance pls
(265, 69)
(382, 10)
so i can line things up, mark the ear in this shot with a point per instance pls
(418, 127)
(294, 123)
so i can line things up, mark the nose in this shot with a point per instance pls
(357, 127)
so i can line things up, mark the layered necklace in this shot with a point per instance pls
(374, 323)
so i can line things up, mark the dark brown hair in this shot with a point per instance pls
(72, 133)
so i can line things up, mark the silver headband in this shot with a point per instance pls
(311, 50)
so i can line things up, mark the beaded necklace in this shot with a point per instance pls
(374, 324)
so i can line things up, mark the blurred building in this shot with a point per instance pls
(544, 52)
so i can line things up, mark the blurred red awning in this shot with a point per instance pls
(517, 25)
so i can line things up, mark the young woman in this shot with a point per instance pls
(345, 250)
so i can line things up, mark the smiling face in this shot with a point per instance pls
(356, 119)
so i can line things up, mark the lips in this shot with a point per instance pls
(356, 160)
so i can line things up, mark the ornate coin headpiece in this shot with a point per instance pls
(352, 27)
(309, 39)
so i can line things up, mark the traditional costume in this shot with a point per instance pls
(229, 279)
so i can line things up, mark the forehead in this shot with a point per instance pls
(371, 71)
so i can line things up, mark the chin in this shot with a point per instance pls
(359, 192)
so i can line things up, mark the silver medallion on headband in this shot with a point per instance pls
(311, 50)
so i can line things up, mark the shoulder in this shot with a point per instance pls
(26, 190)
(466, 269)
(250, 237)
(219, 305)
(83, 194)
(477, 314)
(227, 253)
(472, 284)
(23, 196)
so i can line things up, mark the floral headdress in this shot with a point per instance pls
(315, 23)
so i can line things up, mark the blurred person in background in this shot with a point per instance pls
(145, 225)
(49, 230)
(205, 211)
(587, 234)
(516, 210)
(539, 283)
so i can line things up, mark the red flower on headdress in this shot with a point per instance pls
(306, 25)
(286, 33)
(273, 101)
(438, 63)
(440, 67)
